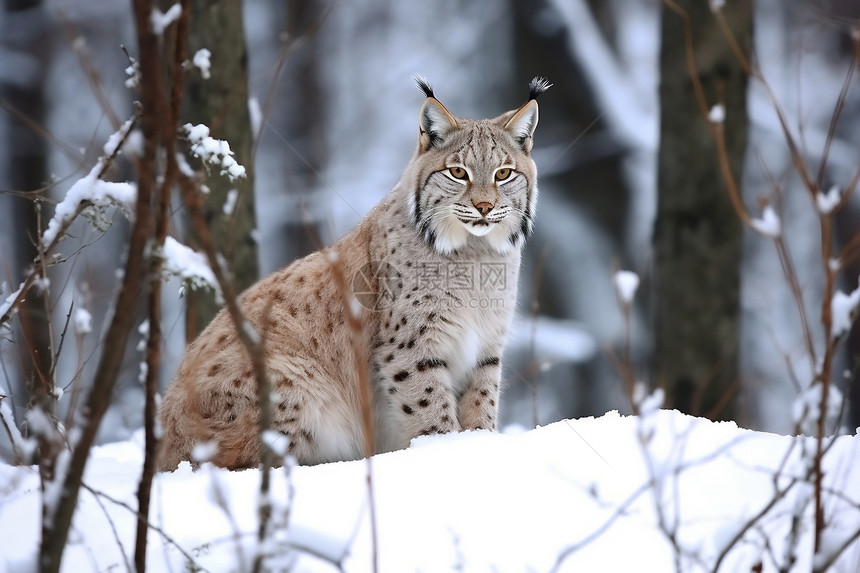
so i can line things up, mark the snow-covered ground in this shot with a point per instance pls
(577, 495)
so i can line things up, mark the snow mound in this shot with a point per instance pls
(577, 495)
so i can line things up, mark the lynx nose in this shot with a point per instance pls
(483, 208)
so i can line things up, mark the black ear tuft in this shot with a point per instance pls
(423, 85)
(537, 86)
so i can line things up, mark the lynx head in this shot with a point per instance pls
(475, 178)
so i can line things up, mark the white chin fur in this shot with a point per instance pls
(452, 235)
(479, 230)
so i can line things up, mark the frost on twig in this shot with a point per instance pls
(215, 152)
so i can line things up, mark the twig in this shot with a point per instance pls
(250, 339)
(621, 509)
(162, 214)
(155, 528)
(55, 528)
(267, 456)
(778, 495)
(365, 391)
(75, 41)
(822, 370)
(286, 51)
(825, 564)
(113, 530)
(46, 251)
(48, 381)
(56, 355)
(837, 112)
(42, 132)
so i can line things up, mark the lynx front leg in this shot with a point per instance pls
(479, 405)
(421, 399)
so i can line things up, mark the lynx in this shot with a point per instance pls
(433, 269)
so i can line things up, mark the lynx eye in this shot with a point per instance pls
(458, 173)
(503, 173)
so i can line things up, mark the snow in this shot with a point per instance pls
(230, 202)
(133, 73)
(769, 225)
(204, 451)
(717, 113)
(42, 284)
(188, 265)
(161, 20)
(826, 202)
(626, 284)
(577, 495)
(25, 447)
(277, 442)
(113, 142)
(201, 60)
(83, 321)
(10, 300)
(255, 112)
(807, 406)
(216, 152)
(843, 308)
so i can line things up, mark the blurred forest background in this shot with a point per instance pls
(317, 100)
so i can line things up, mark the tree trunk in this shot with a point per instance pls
(303, 123)
(221, 102)
(698, 236)
(23, 26)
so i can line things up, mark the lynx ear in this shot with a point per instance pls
(523, 123)
(435, 123)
